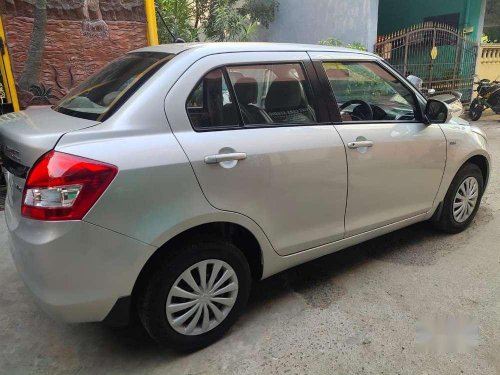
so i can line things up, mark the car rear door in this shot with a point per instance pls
(255, 138)
(395, 161)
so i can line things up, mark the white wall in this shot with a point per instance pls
(308, 21)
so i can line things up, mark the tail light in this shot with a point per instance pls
(64, 187)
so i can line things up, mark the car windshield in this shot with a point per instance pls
(93, 98)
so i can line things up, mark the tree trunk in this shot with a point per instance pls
(33, 64)
(197, 14)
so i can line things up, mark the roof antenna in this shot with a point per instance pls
(174, 38)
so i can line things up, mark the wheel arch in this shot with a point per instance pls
(237, 234)
(477, 156)
(482, 162)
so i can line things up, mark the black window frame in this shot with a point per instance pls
(205, 103)
(333, 105)
(310, 74)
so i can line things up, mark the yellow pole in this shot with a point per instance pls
(151, 22)
(7, 72)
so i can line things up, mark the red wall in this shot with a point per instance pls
(71, 52)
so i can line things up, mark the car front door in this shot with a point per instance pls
(250, 127)
(395, 160)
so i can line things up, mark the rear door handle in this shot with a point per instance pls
(359, 144)
(214, 159)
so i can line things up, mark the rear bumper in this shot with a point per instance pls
(76, 271)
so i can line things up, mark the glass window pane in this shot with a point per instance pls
(273, 94)
(210, 104)
(365, 92)
(96, 95)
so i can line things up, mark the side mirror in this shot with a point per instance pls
(431, 91)
(436, 112)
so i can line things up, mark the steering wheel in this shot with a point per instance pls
(363, 109)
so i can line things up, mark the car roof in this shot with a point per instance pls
(225, 47)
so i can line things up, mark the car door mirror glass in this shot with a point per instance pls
(437, 111)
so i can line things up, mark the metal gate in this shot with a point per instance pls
(437, 53)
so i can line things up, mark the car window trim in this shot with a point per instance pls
(232, 95)
(334, 107)
(205, 103)
(307, 73)
(327, 92)
(320, 104)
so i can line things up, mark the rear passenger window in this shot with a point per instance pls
(210, 104)
(266, 94)
(272, 94)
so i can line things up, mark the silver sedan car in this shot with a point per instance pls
(168, 181)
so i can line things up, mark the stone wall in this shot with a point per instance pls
(75, 45)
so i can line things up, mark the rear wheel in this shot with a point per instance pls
(190, 300)
(462, 200)
(475, 110)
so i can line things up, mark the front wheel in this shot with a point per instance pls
(190, 300)
(462, 200)
(475, 110)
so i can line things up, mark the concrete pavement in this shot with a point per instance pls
(353, 312)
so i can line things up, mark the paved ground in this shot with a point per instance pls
(353, 312)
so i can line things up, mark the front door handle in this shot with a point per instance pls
(214, 159)
(359, 144)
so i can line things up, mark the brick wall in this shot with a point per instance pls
(70, 54)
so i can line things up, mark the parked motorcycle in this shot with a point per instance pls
(488, 96)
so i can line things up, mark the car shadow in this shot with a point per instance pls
(405, 246)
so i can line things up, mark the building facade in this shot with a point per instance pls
(299, 21)
(466, 16)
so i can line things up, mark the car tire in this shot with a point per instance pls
(157, 295)
(449, 219)
(475, 110)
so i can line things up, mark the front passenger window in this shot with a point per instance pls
(366, 92)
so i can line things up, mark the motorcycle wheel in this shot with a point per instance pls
(475, 110)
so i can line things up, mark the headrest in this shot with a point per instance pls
(337, 73)
(246, 90)
(284, 95)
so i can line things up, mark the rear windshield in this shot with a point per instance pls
(106, 89)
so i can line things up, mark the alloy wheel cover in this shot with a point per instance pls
(465, 200)
(202, 297)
